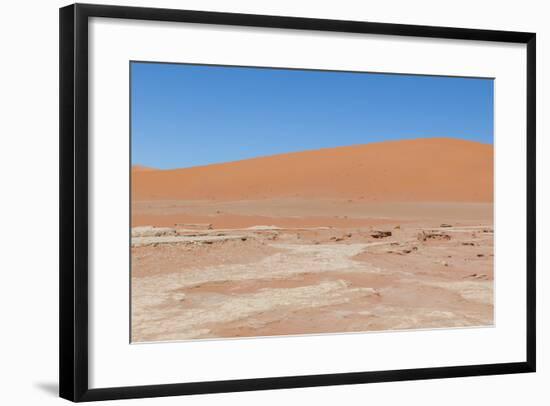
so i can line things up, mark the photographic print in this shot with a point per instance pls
(279, 202)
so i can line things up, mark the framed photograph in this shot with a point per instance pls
(257, 202)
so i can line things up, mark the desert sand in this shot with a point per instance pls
(436, 169)
(387, 236)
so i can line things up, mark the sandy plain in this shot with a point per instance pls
(248, 260)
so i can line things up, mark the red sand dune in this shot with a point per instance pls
(141, 168)
(429, 169)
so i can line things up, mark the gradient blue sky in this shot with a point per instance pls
(190, 115)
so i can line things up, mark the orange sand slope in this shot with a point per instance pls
(141, 168)
(430, 169)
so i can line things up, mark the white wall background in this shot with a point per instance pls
(29, 206)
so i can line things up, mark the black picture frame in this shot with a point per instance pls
(73, 254)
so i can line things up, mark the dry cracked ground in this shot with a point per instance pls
(198, 281)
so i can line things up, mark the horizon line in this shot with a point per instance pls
(148, 167)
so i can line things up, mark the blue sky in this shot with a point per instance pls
(190, 115)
